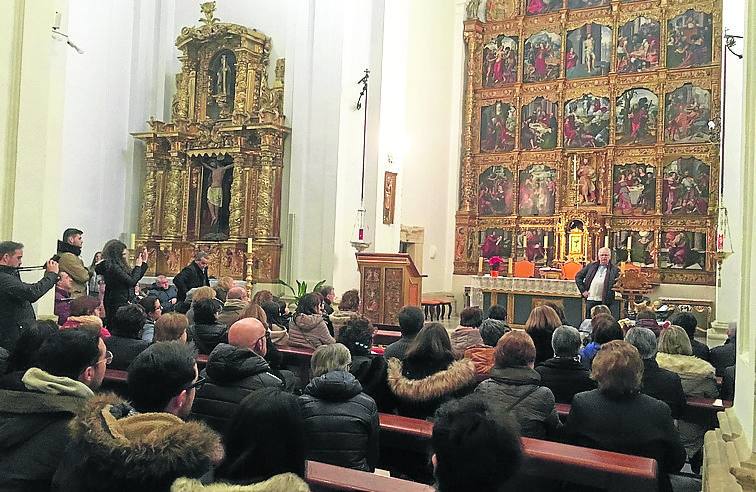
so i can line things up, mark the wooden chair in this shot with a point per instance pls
(523, 269)
(626, 266)
(570, 270)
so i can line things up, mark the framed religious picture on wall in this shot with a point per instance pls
(638, 43)
(495, 241)
(687, 114)
(689, 40)
(538, 7)
(586, 122)
(540, 125)
(637, 114)
(634, 189)
(588, 51)
(682, 250)
(535, 245)
(498, 123)
(500, 61)
(584, 179)
(389, 197)
(537, 191)
(685, 187)
(586, 4)
(638, 247)
(496, 192)
(542, 57)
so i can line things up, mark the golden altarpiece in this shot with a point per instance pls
(213, 174)
(590, 123)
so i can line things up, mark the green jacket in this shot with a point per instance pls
(71, 263)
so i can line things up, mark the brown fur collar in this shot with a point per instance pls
(460, 374)
(142, 445)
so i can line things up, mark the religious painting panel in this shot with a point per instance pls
(500, 58)
(536, 245)
(542, 57)
(538, 7)
(499, 10)
(537, 191)
(222, 70)
(233, 261)
(687, 111)
(634, 189)
(584, 179)
(497, 127)
(685, 189)
(540, 126)
(638, 247)
(682, 250)
(496, 192)
(689, 40)
(586, 122)
(372, 295)
(637, 116)
(216, 197)
(586, 4)
(638, 44)
(588, 51)
(495, 241)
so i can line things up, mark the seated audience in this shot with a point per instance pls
(482, 356)
(222, 287)
(605, 329)
(264, 445)
(369, 369)
(273, 356)
(658, 383)
(474, 447)
(328, 295)
(497, 315)
(618, 417)
(278, 333)
(153, 310)
(723, 356)
(199, 294)
(262, 296)
(646, 318)
(563, 374)
(540, 326)
(234, 370)
(165, 292)
(429, 376)
(559, 310)
(235, 304)
(170, 327)
(206, 332)
(586, 328)
(142, 444)
(62, 307)
(467, 335)
(307, 327)
(350, 303)
(411, 320)
(333, 404)
(698, 380)
(515, 388)
(36, 406)
(688, 322)
(86, 310)
(125, 341)
(23, 355)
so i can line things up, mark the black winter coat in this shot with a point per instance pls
(723, 356)
(124, 350)
(16, 298)
(341, 422)
(585, 276)
(637, 425)
(164, 296)
(700, 350)
(371, 372)
(232, 373)
(190, 277)
(663, 385)
(565, 378)
(207, 337)
(119, 285)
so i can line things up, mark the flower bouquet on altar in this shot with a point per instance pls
(495, 262)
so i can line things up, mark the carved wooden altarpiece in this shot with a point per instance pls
(213, 174)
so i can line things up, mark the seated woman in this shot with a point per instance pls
(618, 417)
(429, 375)
(515, 388)
(698, 380)
(264, 444)
(348, 306)
(341, 422)
(126, 342)
(564, 375)
(369, 369)
(605, 329)
(540, 325)
(278, 332)
(153, 310)
(307, 327)
(206, 332)
(467, 335)
(84, 310)
(483, 355)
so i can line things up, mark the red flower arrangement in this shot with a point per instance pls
(495, 261)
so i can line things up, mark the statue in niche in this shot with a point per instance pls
(222, 77)
(222, 74)
(215, 206)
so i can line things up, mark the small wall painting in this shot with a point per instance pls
(685, 188)
(586, 176)
(535, 245)
(639, 244)
(689, 40)
(542, 57)
(687, 115)
(500, 61)
(537, 7)
(634, 189)
(586, 122)
(496, 192)
(588, 51)
(496, 242)
(683, 250)
(638, 46)
(637, 113)
(539, 125)
(497, 127)
(537, 192)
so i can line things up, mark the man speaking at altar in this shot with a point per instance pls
(596, 280)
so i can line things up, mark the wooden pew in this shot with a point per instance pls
(330, 477)
(698, 410)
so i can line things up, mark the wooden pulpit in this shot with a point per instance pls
(388, 281)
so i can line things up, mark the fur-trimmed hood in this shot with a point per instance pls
(457, 376)
(684, 364)
(285, 482)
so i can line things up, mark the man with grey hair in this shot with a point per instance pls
(563, 374)
(596, 281)
(236, 302)
(192, 276)
(658, 383)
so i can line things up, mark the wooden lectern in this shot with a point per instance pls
(388, 281)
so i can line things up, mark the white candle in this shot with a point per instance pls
(546, 241)
(574, 168)
(606, 241)
(480, 265)
(629, 242)
(249, 245)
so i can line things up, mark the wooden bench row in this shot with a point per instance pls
(331, 477)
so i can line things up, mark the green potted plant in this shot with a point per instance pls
(301, 289)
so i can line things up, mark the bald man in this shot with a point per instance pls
(236, 303)
(596, 281)
(234, 370)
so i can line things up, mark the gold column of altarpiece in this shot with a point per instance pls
(225, 115)
(649, 176)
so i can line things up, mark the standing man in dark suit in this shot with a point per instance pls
(596, 281)
(192, 276)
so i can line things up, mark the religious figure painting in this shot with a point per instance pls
(685, 189)
(497, 127)
(537, 191)
(683, 250)
(687, 115)
(216, 185)
(588, 51)
(496, 242)
(638, 245)
(542, 57)
(222, 84)
(537, 7)
(586, 122)
(689, 40)
(496, 192)
(638, 46)
(535, 244)
(585, 4)
(539, 127)
(500, 61)
(637, 112)
(634, 189)
(586, 177)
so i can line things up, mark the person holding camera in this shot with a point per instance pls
(16, 297)
(119, 278)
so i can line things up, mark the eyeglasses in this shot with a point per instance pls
(198, 384)
(108, 358)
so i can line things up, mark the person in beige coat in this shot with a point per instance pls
(350, 303)
(69, 251)
(467, 334)
(307, 327)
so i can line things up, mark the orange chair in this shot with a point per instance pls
(570, 270)
(523, 269)
(626, 266)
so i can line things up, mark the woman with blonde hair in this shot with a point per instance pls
(540, 325)
(222, 287)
